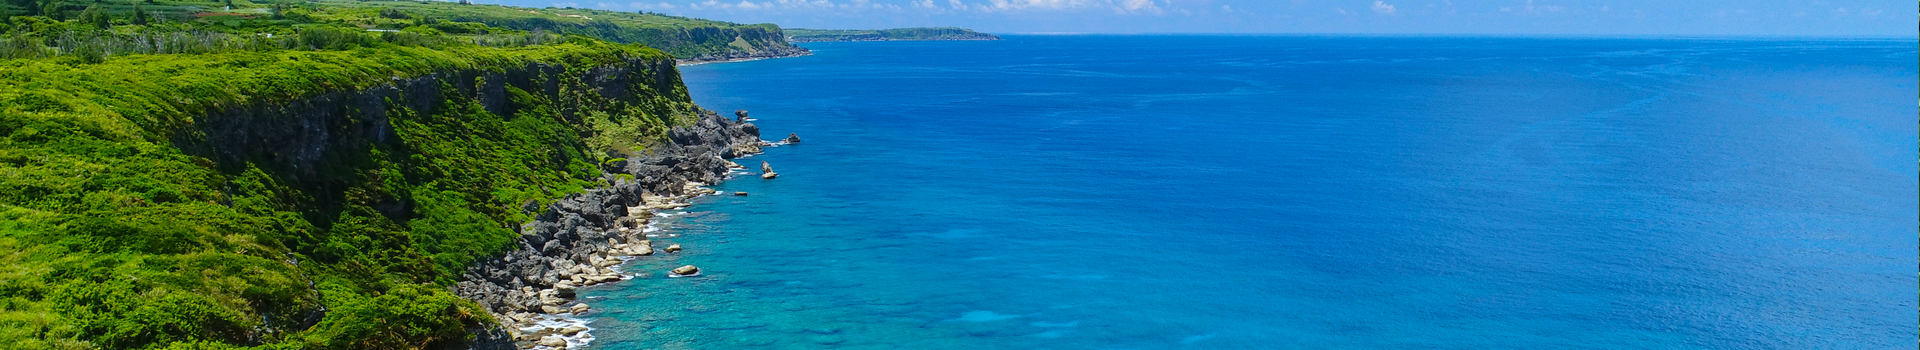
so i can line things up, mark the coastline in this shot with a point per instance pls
(888, 39)
(584, 238)
(794, 51)
(696, 63)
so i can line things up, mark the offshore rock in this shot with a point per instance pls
(792, 138)
(740, 115)
(673, 248)
(769, 175)
(686, 270)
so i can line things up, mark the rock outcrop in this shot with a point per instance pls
(688, 270)
(792, 138)
(749, 54)
(576, 240)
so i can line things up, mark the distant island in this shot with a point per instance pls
(943, 33)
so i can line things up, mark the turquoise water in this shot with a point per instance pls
(1221, 192)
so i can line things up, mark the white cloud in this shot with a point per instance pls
(1534, 10)
(748, 5)
(1382, 7)
(1226, 8)
(1139, 6)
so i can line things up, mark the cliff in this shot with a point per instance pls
(800, 35)
(325, 198)
(687, 39)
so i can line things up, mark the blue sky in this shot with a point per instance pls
(1630, 17)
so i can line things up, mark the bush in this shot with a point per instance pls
(329, 38)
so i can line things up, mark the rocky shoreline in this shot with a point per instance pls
(741, 56)
(581, 240)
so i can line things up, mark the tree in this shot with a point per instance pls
(139, 15)
(52, 9)
(96, 16)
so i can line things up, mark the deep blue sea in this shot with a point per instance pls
(1304, 192)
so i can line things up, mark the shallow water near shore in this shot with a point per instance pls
(1249, 192)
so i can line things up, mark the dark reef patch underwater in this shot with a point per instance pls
(1256, 192)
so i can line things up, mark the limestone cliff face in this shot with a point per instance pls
(378, 149)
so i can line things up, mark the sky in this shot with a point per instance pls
(1522, 17)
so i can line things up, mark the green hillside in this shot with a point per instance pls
(302, 174)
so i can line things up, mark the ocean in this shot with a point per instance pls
(1302, 192)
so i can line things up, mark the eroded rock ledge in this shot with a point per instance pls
(579, 239)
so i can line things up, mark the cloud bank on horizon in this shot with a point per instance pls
(1624, 17)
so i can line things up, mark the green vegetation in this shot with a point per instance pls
(683, 37)
(946, 33)
(483, 24)
(151, 196)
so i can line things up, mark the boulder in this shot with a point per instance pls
(606, 278)
(673, 248)
(607, 262)
(552, 309)
(573, 330)
(769, 175)
(543, 332)
(547, 298)
(563, 290)
(553, 341)
(740, 115)
(792, 138)
(580, 308)
(686, 270)
(766, 167)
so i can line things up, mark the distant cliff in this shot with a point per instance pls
(687, 39)
(946, 33)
